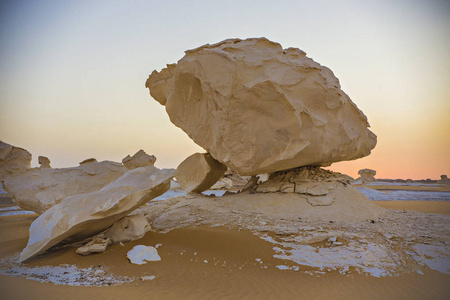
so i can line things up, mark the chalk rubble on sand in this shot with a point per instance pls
(38, 189)
(316, 185)
(199, 172)
(141, 254)
(81, 216)
(139, 159)
(259, 108)
(366, 175)
(13, 160)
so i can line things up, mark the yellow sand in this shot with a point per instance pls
(186, 276)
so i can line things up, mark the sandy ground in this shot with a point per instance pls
(212, 263)
(434, 207)
(422, 187)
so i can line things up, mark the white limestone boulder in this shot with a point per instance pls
(81, 216)
(13, 160)
(139, 159)
(38, 189)
(199, 172)
(129, 228)
(259, 108)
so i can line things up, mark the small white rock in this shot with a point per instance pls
(141, 254)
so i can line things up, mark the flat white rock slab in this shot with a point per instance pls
(141, 254)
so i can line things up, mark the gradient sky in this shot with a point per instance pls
(72, 73)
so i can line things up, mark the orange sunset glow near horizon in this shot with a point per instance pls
(73, 73)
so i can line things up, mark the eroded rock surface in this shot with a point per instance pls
(13, 160)
(199, 172)
(39, 189)
(139, 159)
(259, 108)
(309, 181)
(81, 216)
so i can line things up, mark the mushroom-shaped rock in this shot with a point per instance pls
(140, 159)
(199, 172)
(367, 175)
(81, 216)
(259, 108)
(129, 228)
(444, 180)
(13, 160)
(44, 162)
(41, 188)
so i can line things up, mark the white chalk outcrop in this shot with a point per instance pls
(139, 159)
(367, 175)
(259, 108)
(199, 172)
(13, 160)
(81, 216)
(38, 189)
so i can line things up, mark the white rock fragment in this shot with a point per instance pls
(151, 277)
(97, 245)
(141, 254)
(199, 172)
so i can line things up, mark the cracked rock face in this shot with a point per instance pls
(318, 187)
(259, 108)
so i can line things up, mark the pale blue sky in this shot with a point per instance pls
(72, 73)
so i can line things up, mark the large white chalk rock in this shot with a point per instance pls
(139, 159)
(13, 160)
(81, 216)
(199, 172)
(38, 189)
(259, 108)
